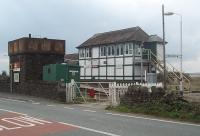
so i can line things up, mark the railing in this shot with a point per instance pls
(170, 68)
(172, 72)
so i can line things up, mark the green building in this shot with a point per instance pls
(61, 72)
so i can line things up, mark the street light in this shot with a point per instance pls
(164, 54)
(181, 47)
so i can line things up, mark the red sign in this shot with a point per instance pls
(91, 93)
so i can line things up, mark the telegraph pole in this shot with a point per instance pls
(181, 57)
(164, 59)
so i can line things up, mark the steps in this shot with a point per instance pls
(173, 75)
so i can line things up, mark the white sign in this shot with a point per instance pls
(16, 77)
(173, 56)
(73, 72)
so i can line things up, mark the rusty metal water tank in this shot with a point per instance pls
(29, 45)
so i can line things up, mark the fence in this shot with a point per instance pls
(116, 90)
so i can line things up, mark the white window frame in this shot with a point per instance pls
(87, 52)
(137, 50)
(126, 51)
(90, 52)
(82, 53)
(113, 50)
(121, 53)
(117, 50)
(130, 51)
(103, 51)
(80, 50)
(110, 50)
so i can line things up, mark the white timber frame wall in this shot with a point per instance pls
(116, 62)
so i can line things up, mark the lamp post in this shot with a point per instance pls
(141, 73)
(164, 59)
(181, 47)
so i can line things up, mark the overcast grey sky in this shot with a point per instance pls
(76, 20)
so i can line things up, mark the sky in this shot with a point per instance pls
(77, 20)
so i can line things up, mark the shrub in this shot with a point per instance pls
(159, 103)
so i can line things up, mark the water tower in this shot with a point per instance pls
(28, 56)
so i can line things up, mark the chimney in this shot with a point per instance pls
(29, 35)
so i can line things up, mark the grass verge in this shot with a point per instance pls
(158, 110)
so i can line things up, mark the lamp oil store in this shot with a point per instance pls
(61, 72)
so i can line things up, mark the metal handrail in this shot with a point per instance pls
(79, 91)
(173, 69)
(167, 69)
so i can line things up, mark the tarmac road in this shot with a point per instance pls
(36, 118)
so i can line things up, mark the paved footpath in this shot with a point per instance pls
(20, 117)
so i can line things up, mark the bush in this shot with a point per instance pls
(138, 94)
(159, 103)
(157, 93)
(196, 109)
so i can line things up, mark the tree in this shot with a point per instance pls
(4, 73)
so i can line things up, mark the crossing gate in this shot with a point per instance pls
(87, 91)
(110, 91)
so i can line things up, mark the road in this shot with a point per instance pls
(35, 118)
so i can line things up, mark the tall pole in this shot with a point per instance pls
(141, 71)
(181, 57)
(11, 76)
(181, 49)
(164, 61)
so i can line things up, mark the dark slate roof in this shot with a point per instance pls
(155, 38)
(71, 58)
(119, 36)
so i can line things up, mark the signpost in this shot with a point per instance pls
(173, 56)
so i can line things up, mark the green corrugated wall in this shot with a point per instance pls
(56, 72)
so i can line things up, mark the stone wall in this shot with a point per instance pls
(137, 94)
(49, 90)
(4, 84)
